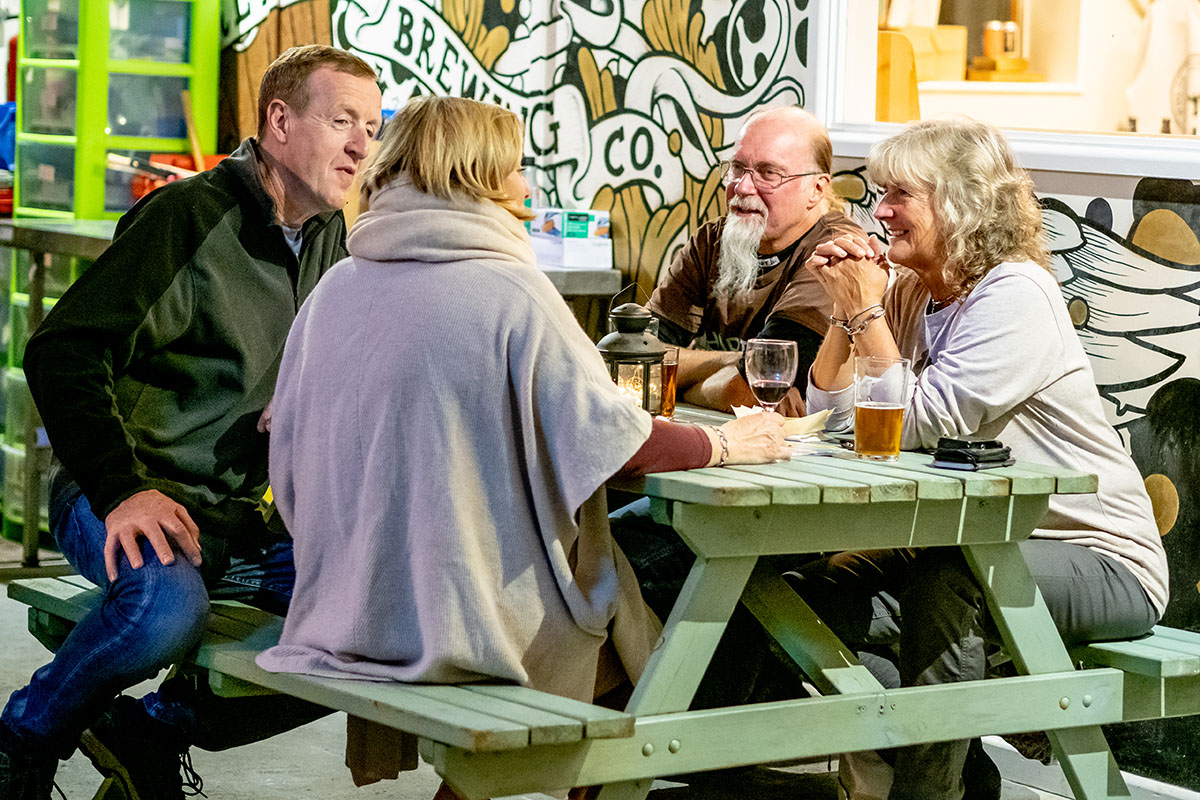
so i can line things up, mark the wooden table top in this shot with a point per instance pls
(823, 472)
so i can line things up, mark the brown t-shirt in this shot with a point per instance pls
(684, 293)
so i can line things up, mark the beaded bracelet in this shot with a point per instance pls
(724, 445)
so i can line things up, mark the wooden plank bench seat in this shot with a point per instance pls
(481, 732)
(478, 718)
(1162, 672)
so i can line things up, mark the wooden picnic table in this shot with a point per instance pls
(827, 500)
(491, 741)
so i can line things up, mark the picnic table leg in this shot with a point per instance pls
(832, 667)
(1035, 646)
(690, 635)
(690, 638)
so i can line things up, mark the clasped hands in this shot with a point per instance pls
(853, 269)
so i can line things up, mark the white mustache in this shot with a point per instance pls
(747, 203)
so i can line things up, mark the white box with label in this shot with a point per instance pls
(571, 239)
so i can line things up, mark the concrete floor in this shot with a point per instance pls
(308, 762)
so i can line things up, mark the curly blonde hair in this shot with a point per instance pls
(984, 208)
(448, 146)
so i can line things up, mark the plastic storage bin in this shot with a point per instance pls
(154, 30)
(48, 101)
(14, 497)
(146, 105)
(18, 338)
(19, 402)
(46, 175)
(60, 273)
(50, 28)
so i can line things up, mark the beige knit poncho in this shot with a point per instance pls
(440, 421)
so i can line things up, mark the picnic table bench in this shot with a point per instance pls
(492, 740)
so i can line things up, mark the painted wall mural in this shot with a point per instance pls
(253, 34)
(628, 105)
(242, 19)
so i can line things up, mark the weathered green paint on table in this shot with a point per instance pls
(821, 501)
(495, 740)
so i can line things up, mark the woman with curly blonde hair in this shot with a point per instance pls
(995, 356)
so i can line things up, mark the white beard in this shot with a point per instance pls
(737, 263)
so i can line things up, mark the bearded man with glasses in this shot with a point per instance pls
(742, 275)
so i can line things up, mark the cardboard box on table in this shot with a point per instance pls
(571, 239)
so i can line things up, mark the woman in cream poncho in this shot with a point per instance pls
(442, 433)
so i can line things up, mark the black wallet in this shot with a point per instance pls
(963, 454)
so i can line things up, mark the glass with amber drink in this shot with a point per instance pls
(670, 366)
(880, 394)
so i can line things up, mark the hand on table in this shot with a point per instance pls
(756, 439)
(158, 518)
(792, 404)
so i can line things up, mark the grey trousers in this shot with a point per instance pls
(918, 617)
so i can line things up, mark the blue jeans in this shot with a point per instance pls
(149, 619)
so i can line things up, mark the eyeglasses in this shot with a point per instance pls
(766, 179)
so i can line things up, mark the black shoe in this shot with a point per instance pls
(980, 774)
(143, 754)
(25, 778)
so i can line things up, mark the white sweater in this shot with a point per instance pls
(1005, 363)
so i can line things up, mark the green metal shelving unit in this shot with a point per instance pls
(96, 77)
(96, 59)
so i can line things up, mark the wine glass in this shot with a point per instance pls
(770, 369)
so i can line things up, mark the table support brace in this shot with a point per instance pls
(1025, 624)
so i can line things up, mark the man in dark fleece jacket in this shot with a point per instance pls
(153, 375)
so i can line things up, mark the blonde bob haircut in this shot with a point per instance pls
(453, 148)
(984, 208)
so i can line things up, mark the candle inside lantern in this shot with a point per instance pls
(629, 381)
(634, 357)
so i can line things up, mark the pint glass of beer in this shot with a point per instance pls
(880, 393)
(670, 366)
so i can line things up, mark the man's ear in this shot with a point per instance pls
(279, 118)
(822, 186)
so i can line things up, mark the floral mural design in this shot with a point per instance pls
(628, 105)
(242, 19)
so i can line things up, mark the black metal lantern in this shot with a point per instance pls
(635, 356)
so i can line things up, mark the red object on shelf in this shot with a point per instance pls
(12, 68)
(6, 202)
(143, 185)
(184, 160)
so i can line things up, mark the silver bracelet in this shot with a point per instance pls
(859, 322)
(724, 445)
